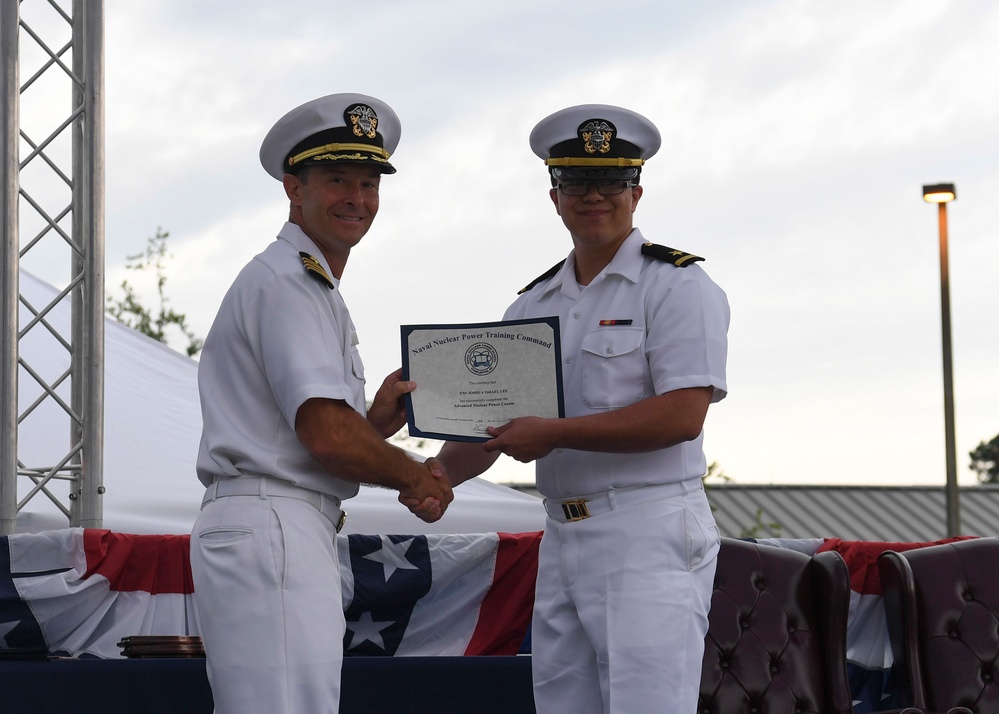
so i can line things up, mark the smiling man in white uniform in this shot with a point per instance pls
(628, 555)
(286, 434)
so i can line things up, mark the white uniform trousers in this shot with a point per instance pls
(269, 605)
(621, 607)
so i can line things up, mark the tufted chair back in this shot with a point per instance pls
(942, 605)
(776, 641)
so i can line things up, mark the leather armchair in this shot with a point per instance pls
(942, 608)
(776, 641)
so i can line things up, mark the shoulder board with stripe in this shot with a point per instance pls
(544, 276)
(314, 268)
(670, 255)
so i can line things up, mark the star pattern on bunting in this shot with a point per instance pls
(367, 629)
(392, 556)
(391, 573)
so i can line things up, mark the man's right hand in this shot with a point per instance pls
(430, 496)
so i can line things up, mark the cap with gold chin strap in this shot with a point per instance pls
(337, 128)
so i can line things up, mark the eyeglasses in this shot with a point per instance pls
(605, 187)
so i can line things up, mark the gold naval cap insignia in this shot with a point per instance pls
(596, 135)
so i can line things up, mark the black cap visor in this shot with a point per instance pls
(628, 173)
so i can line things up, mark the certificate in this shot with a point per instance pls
(473, 376)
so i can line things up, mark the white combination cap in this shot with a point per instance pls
(338, 128)
(595, 136)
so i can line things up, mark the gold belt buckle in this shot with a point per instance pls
(575, 510)
(343, 519)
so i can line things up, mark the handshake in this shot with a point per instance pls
(430, 495)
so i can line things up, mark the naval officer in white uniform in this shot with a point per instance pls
(287, 438)
(629, 549)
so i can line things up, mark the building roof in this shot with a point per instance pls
(871, 513)
(903, 514)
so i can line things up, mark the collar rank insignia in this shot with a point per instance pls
(314, 268)
(670, 255)
(596, 135)
(362, 119)
(544, 276)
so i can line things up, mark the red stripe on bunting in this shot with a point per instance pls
(862, 559)
(140, 563)
(505, 613)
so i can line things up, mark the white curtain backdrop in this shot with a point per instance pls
(151, 434)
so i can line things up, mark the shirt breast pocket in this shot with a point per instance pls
(614, 368)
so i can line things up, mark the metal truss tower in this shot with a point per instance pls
(53, 208)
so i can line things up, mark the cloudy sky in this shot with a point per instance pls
(796, 138)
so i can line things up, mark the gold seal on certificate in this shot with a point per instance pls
(473, 376)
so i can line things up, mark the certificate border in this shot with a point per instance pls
(406, 330)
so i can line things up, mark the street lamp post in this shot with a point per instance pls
(941, 194)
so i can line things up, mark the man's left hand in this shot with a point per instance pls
(387, 413)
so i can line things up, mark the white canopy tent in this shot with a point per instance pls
(152, 430)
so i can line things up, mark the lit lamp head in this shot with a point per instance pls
(939, 193)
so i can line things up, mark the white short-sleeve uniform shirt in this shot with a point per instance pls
(281, 336)
(665, 329)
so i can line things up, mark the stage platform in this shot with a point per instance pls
(415, 685)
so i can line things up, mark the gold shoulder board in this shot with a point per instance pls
(314, 268)
(670, 255)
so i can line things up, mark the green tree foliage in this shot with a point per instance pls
(416, 445)
(760, 526)
(131, 312)
(985, 461)
(715, 474)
